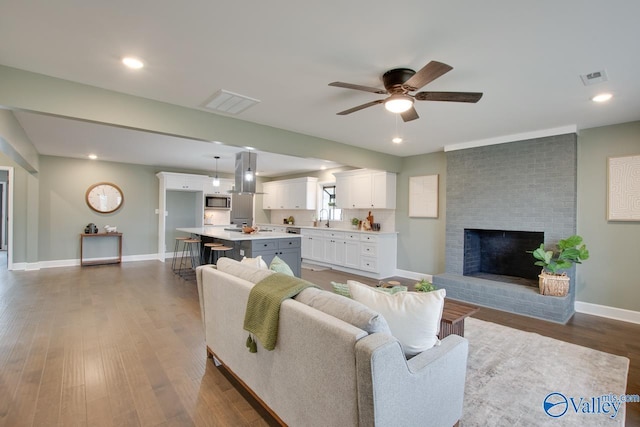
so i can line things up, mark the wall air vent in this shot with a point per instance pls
(594, 77)
(227, 102)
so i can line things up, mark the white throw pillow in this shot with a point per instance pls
(256, 262)
(413, 317)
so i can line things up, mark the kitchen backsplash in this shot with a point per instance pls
(217, 217)
(386, 217)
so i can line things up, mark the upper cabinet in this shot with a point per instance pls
(182, 181)
(365, 189)
(225, 186)
(299, 193)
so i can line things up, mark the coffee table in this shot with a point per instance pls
(453, 316)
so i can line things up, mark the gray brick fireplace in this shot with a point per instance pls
(524, 186)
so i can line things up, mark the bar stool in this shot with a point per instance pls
(210, 246)
(190, 252)
(219, 251)
(176, 250)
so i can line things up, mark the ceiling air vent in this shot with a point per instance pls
(224, 101)
(595, 77)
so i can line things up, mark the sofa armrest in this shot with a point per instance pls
(200, 284)
(426, 390)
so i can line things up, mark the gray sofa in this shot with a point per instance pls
(325, 371)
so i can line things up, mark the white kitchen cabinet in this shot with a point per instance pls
(365, 189)
(313, 244)
(290, 194)
(352, 254)
(183, 181)
(271, 196)
(225, 186)
(370, 254)
(334, 250)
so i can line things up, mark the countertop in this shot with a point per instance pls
(234, 236)
(323, 228)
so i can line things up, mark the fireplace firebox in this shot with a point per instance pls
(501, 255)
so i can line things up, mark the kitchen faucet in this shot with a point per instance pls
(320, 214)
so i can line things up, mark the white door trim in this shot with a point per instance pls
(8, 208)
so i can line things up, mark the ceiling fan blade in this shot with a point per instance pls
(359, 87)
(449, 96)
(360, 107)
(427, 74)
(410, 114)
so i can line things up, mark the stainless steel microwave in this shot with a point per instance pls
(217, 202)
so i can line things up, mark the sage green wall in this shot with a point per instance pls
(611, 275)
(63, 212)
(15, 143)
(181, 213)
(20, 198)
(421, 241)
(39, 93)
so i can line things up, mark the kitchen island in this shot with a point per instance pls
(267, 244)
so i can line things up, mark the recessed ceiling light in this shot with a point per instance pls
(132, 62)
(323, 167)
(603, 97)
(249, 148)
(396, 140)
(92, 156)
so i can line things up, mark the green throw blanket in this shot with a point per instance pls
(263, 307)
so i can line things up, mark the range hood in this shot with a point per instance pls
(245, 165)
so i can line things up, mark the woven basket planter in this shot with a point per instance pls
(554, 285)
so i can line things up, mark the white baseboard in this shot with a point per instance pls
(31, 266)
(413, 275)
(608, 312)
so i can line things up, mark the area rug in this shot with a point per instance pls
(517, 378)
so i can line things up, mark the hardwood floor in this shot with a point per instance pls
(122, 345)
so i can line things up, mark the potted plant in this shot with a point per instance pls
(569, 251)
(355, 223)
(424, 286)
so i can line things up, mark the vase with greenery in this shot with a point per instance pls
(355, 222)
(424, 286)
(569, 251)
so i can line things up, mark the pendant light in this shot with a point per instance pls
(248, 175)
(216, 180)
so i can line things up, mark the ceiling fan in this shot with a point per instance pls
(400, 81)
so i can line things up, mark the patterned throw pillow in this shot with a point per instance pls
(279, 266)
(341, 289)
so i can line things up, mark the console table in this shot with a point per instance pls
(116, 260)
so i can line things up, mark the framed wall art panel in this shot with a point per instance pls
(623, 188)
(423, 196)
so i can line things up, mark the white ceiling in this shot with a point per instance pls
(525, 56)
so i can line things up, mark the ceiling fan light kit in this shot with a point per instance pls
(398, 103)
(400, 81)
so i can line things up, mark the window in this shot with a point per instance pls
(328, 206)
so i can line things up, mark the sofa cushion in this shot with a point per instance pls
(345, 309)
(413, 317)
(256, 262)
(242, 270)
